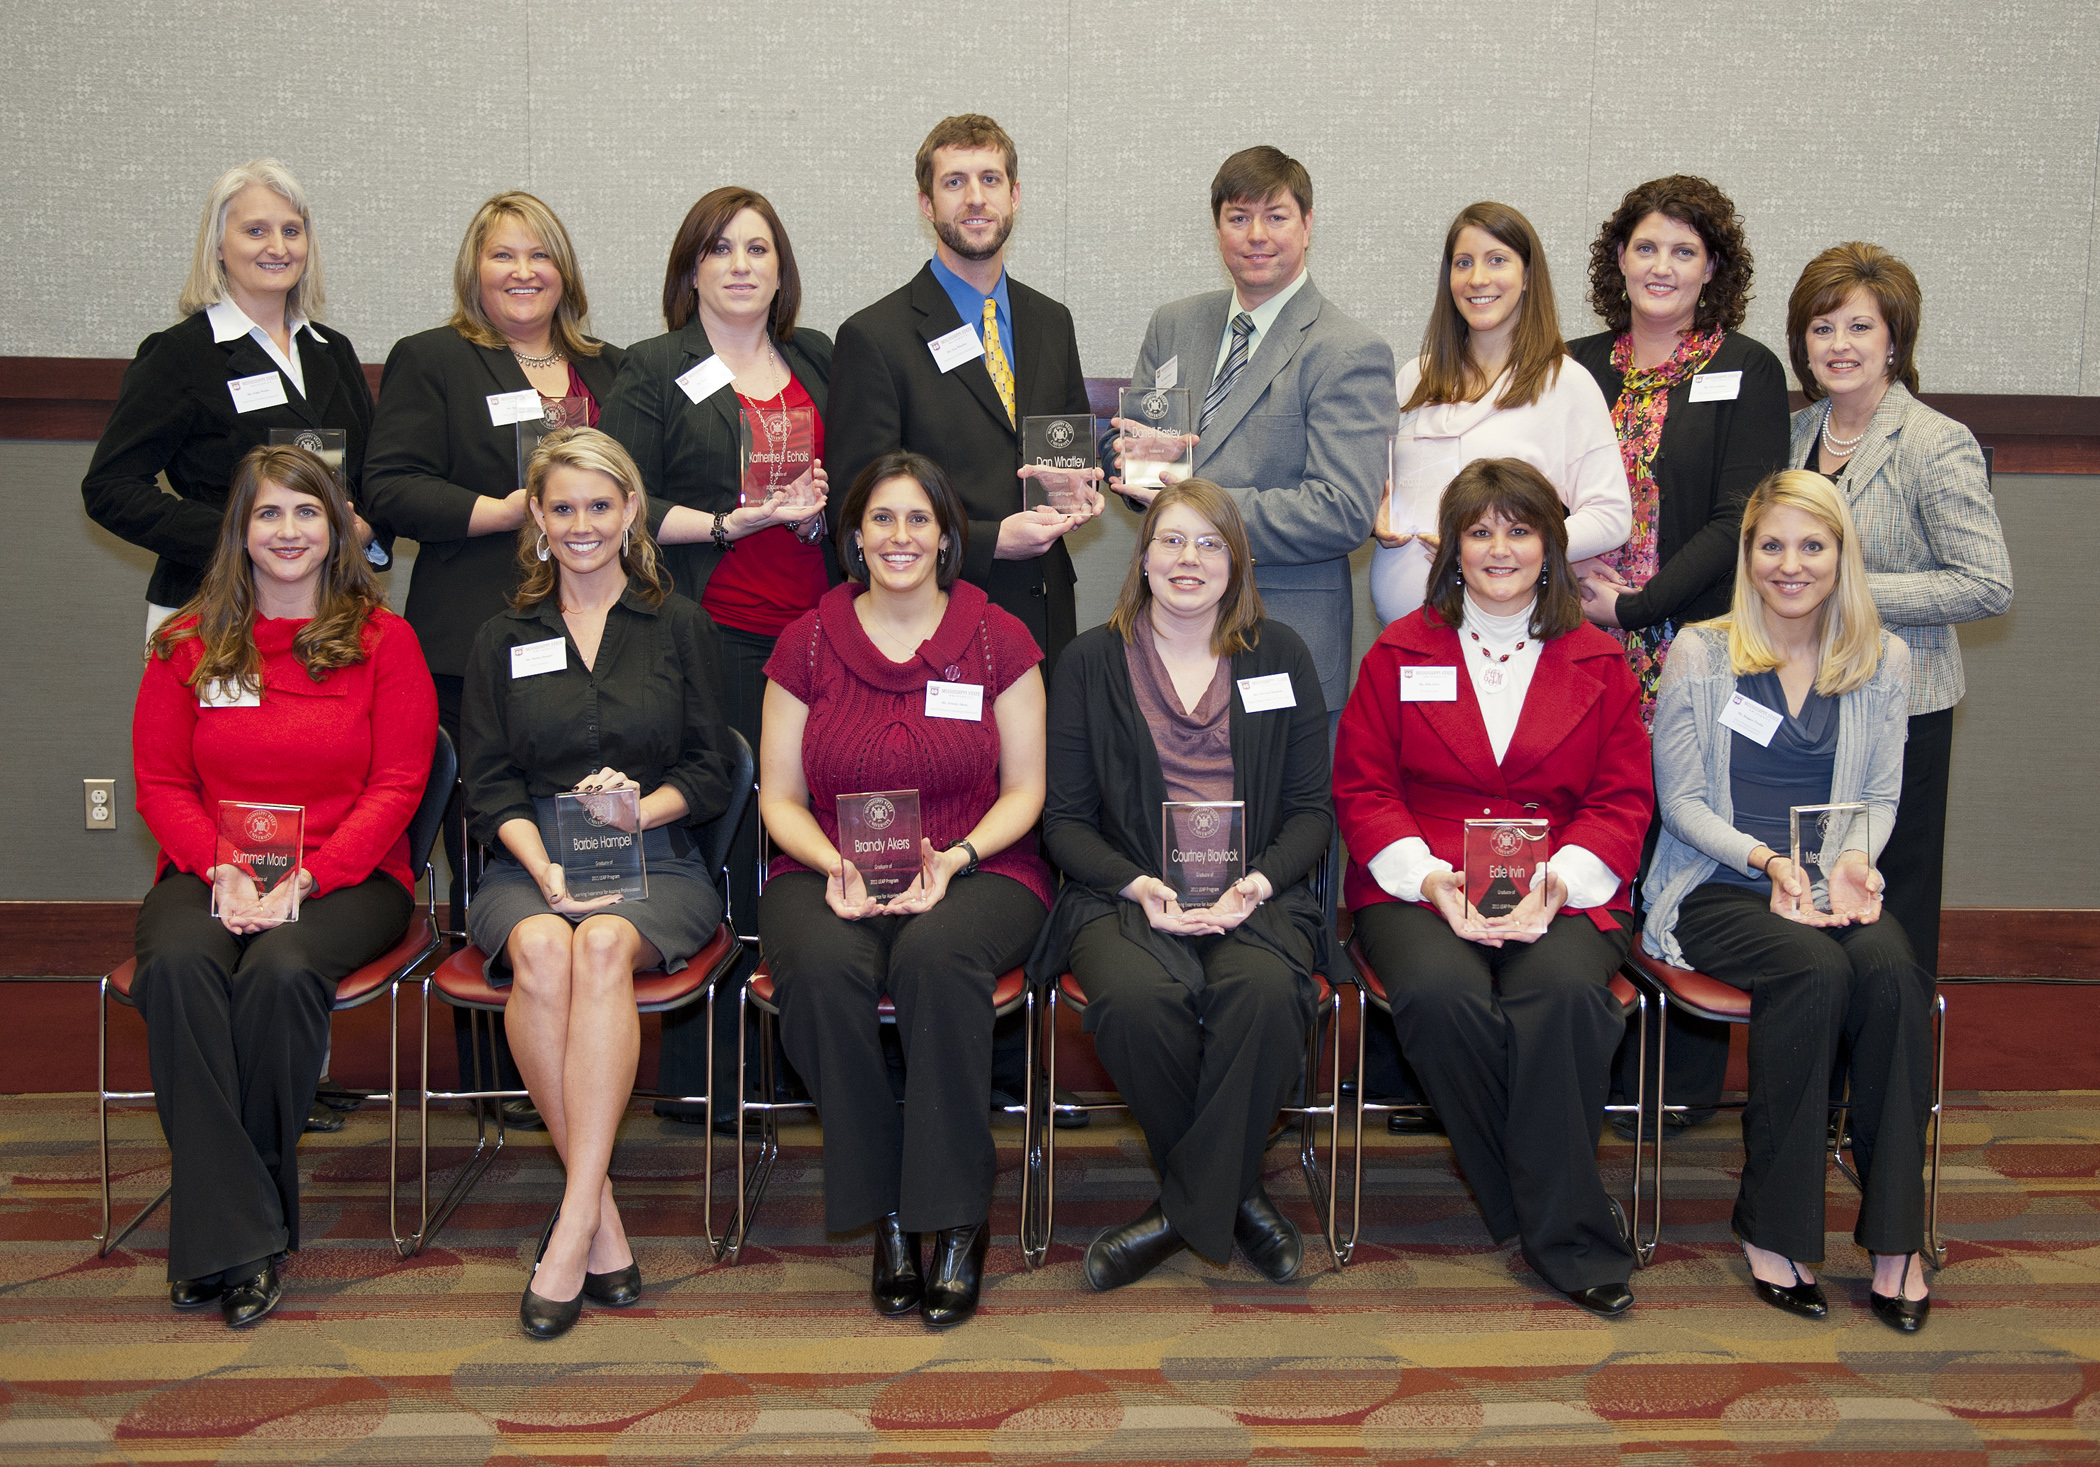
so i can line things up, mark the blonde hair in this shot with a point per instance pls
(573, 312)
(1238, 627)
(1851, 649)
(587, 448)
(206, 285)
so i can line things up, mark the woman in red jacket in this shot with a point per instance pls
(1496, 700)
(284, 681)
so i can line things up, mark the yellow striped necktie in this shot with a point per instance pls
(995, 358)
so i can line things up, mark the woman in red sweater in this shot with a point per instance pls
(284, 681)
(1495, 700)
(904, 679)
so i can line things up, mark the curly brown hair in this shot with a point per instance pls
(1699, 206)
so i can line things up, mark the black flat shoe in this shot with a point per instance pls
(957, 1274)
(247, 1300)
(1609, 1300)
(1123, 1255)
(615, 1290)
(1803, 1297)
(189, 1294)
(1905, 1316)
(897, 1285)
(1414, 1123)
(1269, 1240)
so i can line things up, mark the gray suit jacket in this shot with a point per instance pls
(1301, 445)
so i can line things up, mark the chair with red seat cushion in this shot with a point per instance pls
(1710, 998)
(382, 975)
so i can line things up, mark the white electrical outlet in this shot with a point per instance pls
(101, 800)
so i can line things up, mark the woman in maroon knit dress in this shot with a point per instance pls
(905, 678)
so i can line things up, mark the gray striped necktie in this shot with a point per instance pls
(1235, 363)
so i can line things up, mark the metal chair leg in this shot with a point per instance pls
(1644, 1248)
(105, 1242)
(1033, 1249)
(1939, 1123)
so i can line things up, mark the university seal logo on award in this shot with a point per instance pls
(1829, 831)
(1155, 405)
(1204, 848)
(879, 834)
(310, 441)
(1059, 433)
(257, 851)
(326, 444)
(776, 444)
(555, 412)
(1060, 450)
(1159, 422)
(1505, 859)
(261, 826)
(598, 844)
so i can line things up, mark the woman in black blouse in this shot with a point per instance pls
(596, 680)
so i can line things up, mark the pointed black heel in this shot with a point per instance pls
(542, 1318)
(1905, 1316)
(1803, 1296)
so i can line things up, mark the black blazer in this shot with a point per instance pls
(1101, 818)
(686, 450)
(1711, 456)
(887, 393)
(434, 452)
(174, 413)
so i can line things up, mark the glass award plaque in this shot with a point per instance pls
(598, 845)
(326, 444)
(1418, 487)
(1819, 835)
(1161, 419)
(1061, 450)
(777, 446)
(1204, 843)
(556, 412)
(879, 834)
(1502, 859)
(258, 851)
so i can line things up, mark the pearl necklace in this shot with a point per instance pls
(1839, 447)
(546, 361)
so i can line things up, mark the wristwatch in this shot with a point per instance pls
(971, 869)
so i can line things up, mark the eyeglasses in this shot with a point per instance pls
(1210, 547)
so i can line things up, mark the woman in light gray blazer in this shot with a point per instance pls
(1798, 697)
(1921, 496)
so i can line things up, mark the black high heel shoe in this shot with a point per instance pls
(615, 1289)
(1803, 1296)
(1905, 1316)
(896, 1286)
(957, 1275)
(547, 1319)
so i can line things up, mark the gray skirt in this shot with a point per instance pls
(678, 917)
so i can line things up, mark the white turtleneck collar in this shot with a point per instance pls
(1499, 683)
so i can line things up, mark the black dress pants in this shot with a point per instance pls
(1810, 989)
(1914, 858)
(1515, 1045)
(934, 1162)
(1204, 1073)
(236, 1031)
(498, 1070)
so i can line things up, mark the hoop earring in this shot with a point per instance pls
(539, 548)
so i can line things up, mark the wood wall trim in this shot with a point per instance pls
(70, 398)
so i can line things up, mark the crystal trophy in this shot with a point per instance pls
(777, 446)
(1418, 487)
(326, 444)
(1159, 422)
(1503, 860)
(1818, 835)
(879, 834)
(555, 412)
(258, 850)
(1061, 451)
(598, 844)
(1204, 842)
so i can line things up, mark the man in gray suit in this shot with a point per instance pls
(1296, 404)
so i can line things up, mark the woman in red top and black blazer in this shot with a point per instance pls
(1496, 700)
(284, 681)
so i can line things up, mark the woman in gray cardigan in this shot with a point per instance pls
(1798, 697)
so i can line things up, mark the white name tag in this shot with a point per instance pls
(1717, 387)
(705, 380)
(955, 700)
(1429, 685)
(533, 658)
(1260, 694)
(1168, 374)
(264, 389)
(227, 694)
(506, 408)
(1751, 719)
(958, 346)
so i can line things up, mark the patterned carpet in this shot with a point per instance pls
(1433, 1344)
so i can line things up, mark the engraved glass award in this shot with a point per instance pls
(1061, 450)
(1818, 836)
(1159, 421)
(1502, 859)
(325, 444)
(1205, 845)
(258, 850)
(777, 446)
(556, 412)
(879, 834)
(1418, 485)
(598, 844)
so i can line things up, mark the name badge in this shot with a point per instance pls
(530, 659)
(955, 700)
(958, 346)
(1168, 374)
(1751, 719)
(264, 389)
(228, 693)
(506, 408)
(1260, 694)
(705, 380)
(1429, 685)
(1717, 387)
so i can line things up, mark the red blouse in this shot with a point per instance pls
(354, 749)
(868, 728)
(767, 580)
